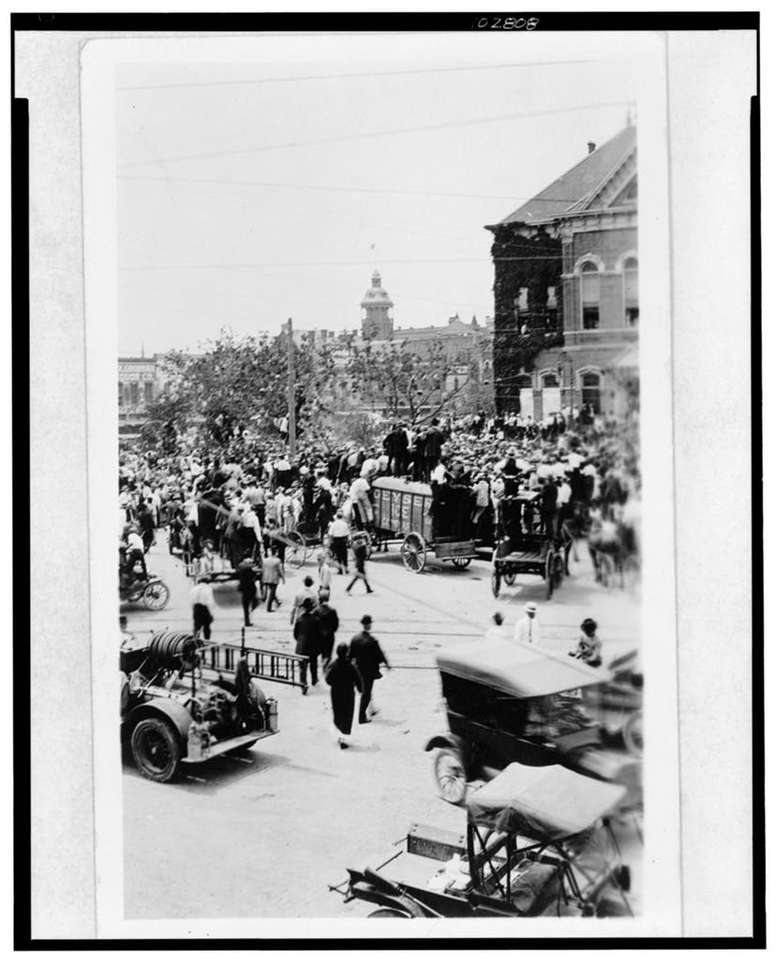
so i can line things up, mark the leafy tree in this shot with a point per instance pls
(410, 387)
(239, 381)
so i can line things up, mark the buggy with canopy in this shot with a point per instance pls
(509, 702)
(537, 841)
(527, 544)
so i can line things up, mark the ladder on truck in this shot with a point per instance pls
(263, 664)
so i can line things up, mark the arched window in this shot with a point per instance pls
(631, 292)
(590, 391)
(549, 381)
(590, 295)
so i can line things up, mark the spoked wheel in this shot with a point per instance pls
(387, 912)
(156, 595)
(450, 776)
(309, 529)
(496, 580)
(558, 570)
(549, 574)
(632, 734)
(461, 562)
(155, 749)
(413, 553)
(295, 549)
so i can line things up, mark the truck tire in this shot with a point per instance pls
(156, 749)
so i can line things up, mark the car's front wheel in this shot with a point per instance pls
(156, 749)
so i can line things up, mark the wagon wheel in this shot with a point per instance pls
(461, 562)
(632, 734)
(549, 573)
(413, 552)
(510, 578)
(496, 580)
(295, 549)
(156, 749)
(558, 570)
(308, 529)
(450, 776)
(156, 595)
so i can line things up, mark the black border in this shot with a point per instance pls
(549, 21)
(347, 22)
(20, 323)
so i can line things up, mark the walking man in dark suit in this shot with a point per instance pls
(306, 630)
(367, 655)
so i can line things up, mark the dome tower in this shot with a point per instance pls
(377, 323)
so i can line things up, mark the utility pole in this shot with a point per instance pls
(291, 391)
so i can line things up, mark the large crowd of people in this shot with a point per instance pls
(237, 503)
(228, 497)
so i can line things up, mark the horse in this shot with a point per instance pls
(612, 547)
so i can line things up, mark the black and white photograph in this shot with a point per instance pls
(381, 486)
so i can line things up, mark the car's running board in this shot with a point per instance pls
(246, 740)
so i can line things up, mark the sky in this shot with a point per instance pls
(270, 182)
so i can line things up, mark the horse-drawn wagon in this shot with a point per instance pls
(424, 520)
(527, 544)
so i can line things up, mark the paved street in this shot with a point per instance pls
(275, 829)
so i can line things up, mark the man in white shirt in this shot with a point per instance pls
(338, 531)
(358, 493)
(564, 493)
(438, 474)
(135, 551)
(370, 467)
(203, 603)
(527, 629)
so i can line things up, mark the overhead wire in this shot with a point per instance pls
(257, 81)
(372, 134)
(219, 181)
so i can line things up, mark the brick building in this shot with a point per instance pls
(566, 289)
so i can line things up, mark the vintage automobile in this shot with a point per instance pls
(423, 521)
(538, 841)
(515, 702)
(186, 702)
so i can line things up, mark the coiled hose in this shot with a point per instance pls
(168, 649)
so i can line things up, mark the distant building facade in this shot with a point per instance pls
(566, 289)
(140, 380)
(466, 348)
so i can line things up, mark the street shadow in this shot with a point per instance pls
(225, 770)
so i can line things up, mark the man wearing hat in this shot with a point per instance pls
(306, 630)
(367, 655)
(527, 629)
